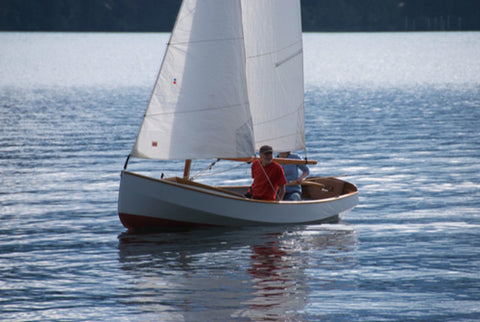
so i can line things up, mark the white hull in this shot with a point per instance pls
(147, 203)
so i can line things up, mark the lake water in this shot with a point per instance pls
(399, 113)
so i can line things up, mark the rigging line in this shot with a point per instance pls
(208, 167)
(199, 110)
(200, 173)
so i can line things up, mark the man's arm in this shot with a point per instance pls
(281, 192)
(302, 177)
(305, 172)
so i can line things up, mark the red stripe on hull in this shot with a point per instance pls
(135, 222)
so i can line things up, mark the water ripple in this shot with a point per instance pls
(409, 251)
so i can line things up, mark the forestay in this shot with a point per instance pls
(231, 80)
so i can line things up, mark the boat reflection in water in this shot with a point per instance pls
(253, 273)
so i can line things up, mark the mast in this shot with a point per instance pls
(186, 169)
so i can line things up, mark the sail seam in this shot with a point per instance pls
(199, 110)
(280, 117)
(204, 41)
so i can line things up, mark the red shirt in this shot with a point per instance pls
(261, 188)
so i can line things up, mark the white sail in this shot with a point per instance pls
(199, 106)
(231, 81)
(273, 43)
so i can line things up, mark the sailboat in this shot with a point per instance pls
(231, 80)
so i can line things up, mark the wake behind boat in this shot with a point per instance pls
(231, 80)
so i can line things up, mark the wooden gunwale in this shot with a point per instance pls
(222, 191)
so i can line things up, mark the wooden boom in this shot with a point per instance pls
(278, 160)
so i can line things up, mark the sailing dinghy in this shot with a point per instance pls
(231, 80)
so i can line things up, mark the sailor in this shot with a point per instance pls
(268, 177)
(293, 192)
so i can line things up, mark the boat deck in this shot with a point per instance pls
(333, 187)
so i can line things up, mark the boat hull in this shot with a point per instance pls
(151, 203)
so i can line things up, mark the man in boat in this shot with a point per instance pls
(293, 192)
(268, 177)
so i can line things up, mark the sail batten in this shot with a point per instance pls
(295, 44)
(283, 61)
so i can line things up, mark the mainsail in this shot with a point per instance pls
(274, 50)
(231, 80)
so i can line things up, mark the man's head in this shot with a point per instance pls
(266, 155)
(284, 154)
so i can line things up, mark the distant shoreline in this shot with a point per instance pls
(305, 32)
(317, 16)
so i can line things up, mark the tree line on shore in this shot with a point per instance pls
(317, 15)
